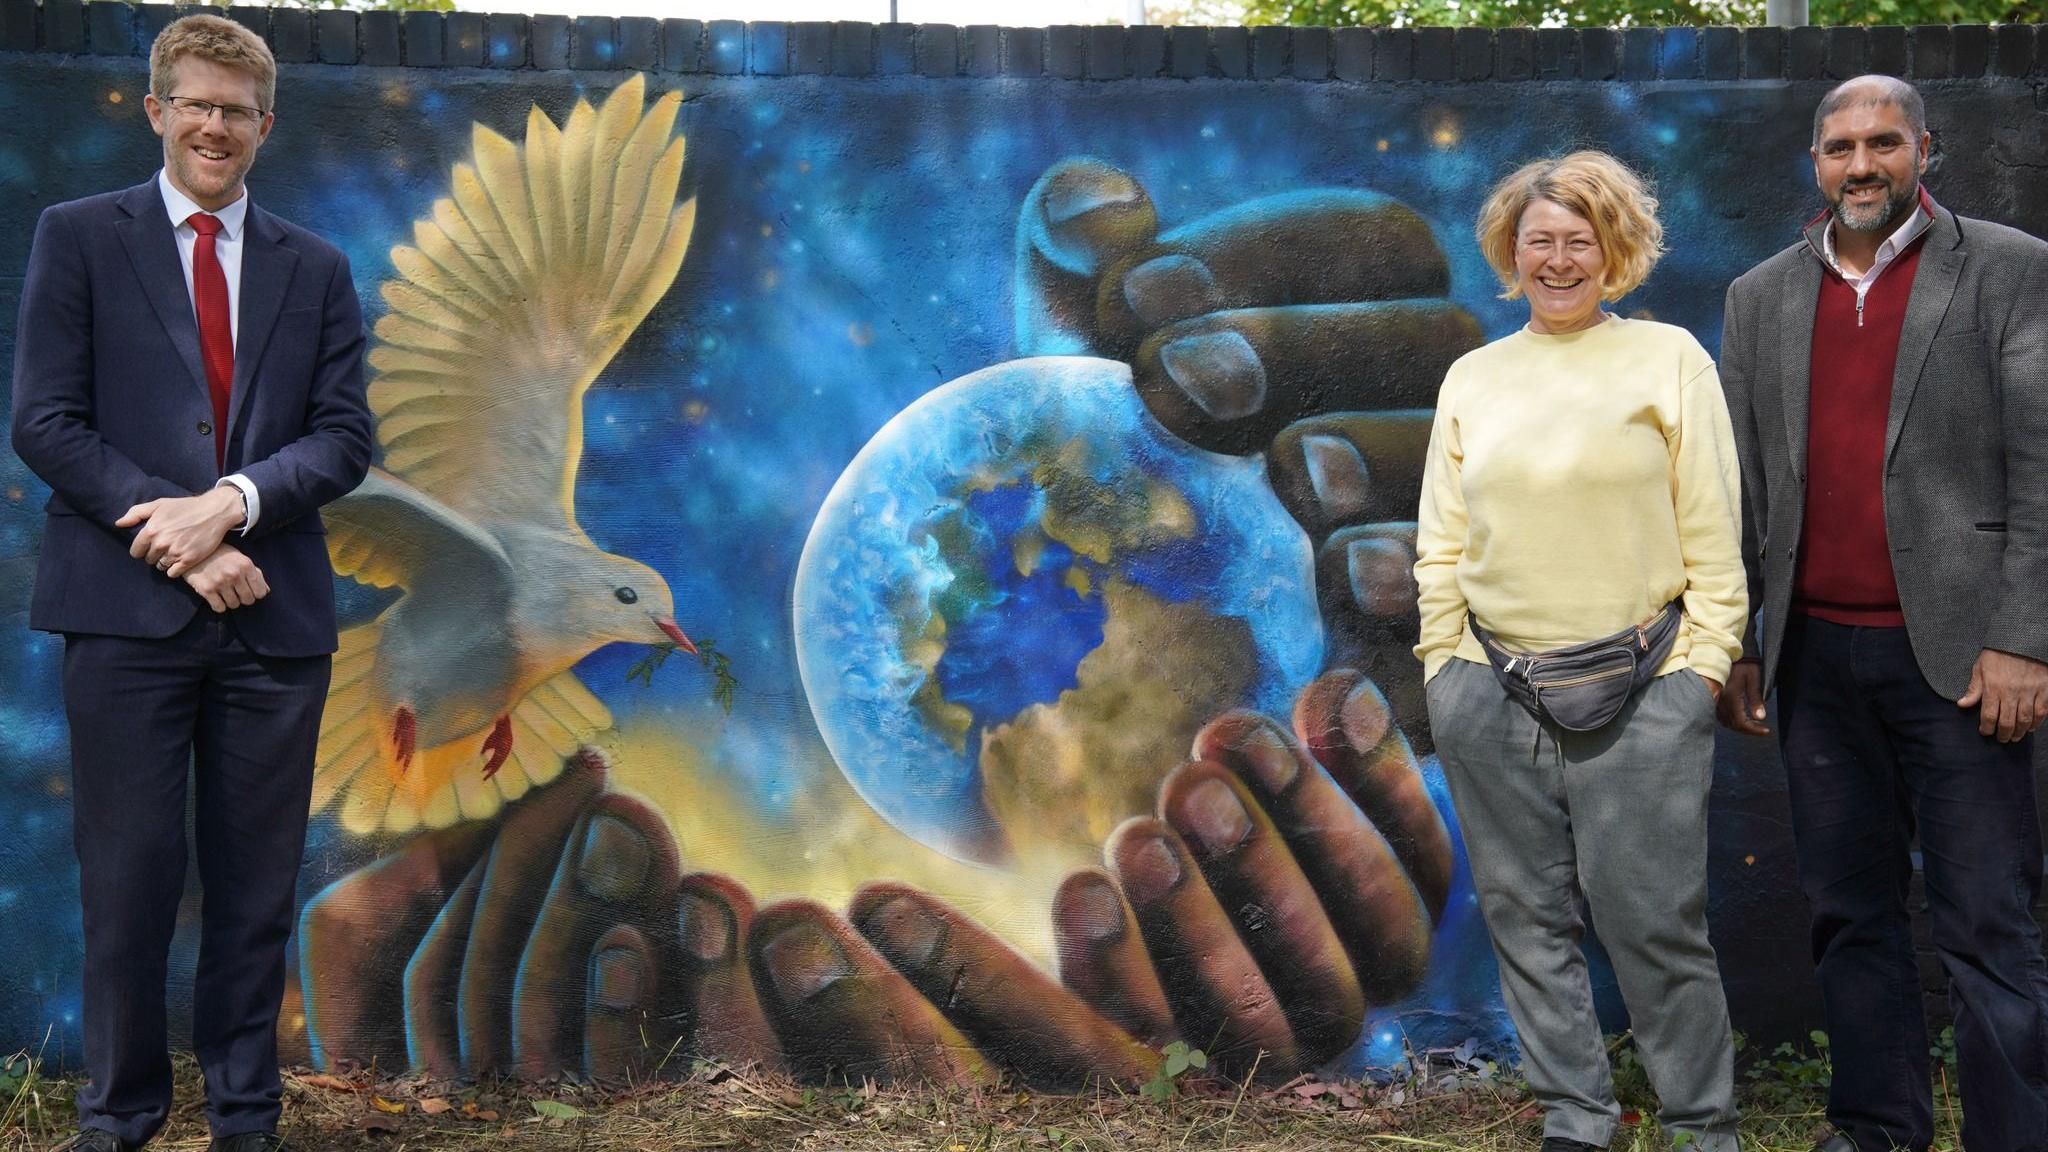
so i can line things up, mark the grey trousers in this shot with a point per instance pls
(1619, 815)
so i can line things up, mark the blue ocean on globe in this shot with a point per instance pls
(1024, 585)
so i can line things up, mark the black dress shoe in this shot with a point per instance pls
(250, 1142)
(92, 1140)
(1560, 1144)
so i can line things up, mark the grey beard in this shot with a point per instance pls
(1878, 218)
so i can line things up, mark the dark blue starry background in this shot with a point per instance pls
(853, 249)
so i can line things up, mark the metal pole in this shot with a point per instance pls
(1785, 13)
(892, 10)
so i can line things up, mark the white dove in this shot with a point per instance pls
(511, 299)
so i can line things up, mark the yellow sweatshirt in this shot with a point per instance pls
(1575, 485)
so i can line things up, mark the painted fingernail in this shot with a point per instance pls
(1219, 371)
(1150, 870)
(1271, 759)
(1093, 909)
(905, 930)
(803, 960)
(614, 859)
(1171, 288)
(1365, 716)
(1211, 813)
(706, 927)
(1081, 192)
(1337, 474)
(1382, 574)
(616, 978)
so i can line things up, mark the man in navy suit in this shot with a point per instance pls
(188, 380)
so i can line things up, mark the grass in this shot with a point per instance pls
(1455, 1104)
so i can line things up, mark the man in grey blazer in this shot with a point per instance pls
(1888, 378)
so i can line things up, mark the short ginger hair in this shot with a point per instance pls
(217, 41)
(1594, 186)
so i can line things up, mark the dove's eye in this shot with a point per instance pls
(627, 596)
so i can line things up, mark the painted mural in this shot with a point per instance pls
(899, 577)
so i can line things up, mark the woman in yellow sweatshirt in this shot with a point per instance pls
(1582, 476)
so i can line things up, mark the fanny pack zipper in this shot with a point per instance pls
(1588, 678)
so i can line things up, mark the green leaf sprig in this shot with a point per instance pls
(716, 662)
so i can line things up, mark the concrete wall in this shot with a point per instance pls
(892, 396)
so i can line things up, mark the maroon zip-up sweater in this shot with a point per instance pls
(1844, 573)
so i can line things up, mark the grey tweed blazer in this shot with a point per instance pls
(1966, 445)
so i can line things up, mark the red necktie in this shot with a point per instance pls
(216, 335)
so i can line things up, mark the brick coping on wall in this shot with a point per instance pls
(852, 48)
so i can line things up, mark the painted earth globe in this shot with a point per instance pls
(1023, 598)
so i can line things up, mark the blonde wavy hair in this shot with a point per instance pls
(1594, 186)
(217, 41)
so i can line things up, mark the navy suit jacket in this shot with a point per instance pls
(111, 409)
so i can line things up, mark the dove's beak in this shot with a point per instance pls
(669, 629)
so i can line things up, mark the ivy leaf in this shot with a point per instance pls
(1176, 1055)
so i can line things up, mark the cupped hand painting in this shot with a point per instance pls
(1045, 650)
(1023, 598)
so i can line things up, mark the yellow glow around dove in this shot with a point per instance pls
(828, 844)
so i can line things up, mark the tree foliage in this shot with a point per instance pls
(1625, 13)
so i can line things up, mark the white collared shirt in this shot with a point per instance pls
(1901, 237)
(227, 248)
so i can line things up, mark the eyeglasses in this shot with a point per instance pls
(232, 115)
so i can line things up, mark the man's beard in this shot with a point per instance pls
(1875, 217)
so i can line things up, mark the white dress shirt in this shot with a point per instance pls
(227, 248)
(1887, 252)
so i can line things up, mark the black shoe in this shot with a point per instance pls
(250, 1142)
(1560, 1144)
(1836, 1143)
(92, 1140)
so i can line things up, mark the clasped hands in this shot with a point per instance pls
(183, 538)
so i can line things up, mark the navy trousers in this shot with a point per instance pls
(146, 716)
(1872, 755)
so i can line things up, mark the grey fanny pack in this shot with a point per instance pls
(1583, 688)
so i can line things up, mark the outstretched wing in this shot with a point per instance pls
(515, 295)
(389, 534)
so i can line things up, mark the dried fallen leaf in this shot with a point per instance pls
(389, 1107)
(556, 1110)
(434, 1105)
(331, 1083)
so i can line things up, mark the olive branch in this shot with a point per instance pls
(714, 661)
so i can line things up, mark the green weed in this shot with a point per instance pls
(1179, 1058)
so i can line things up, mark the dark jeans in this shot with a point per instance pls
(146, 716)
(1873, 753)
